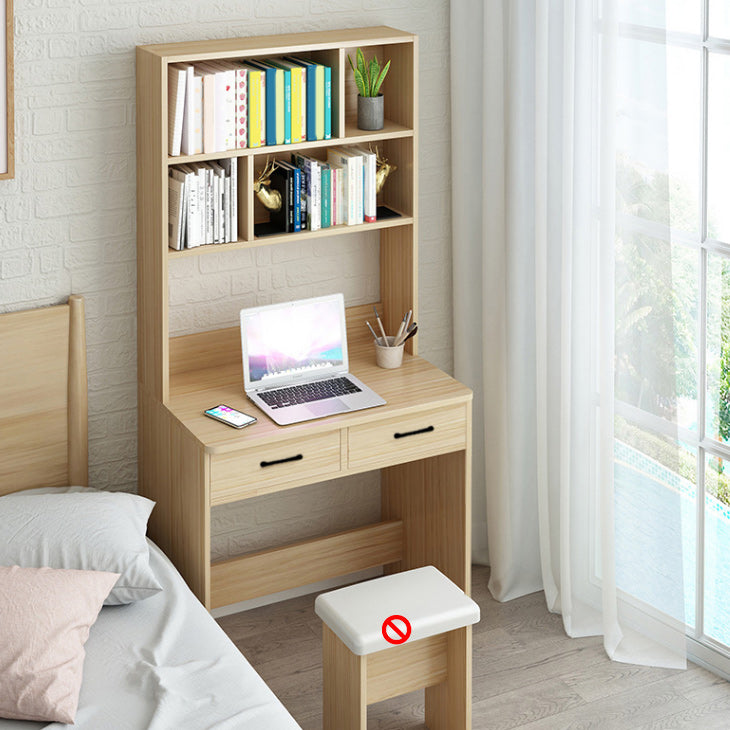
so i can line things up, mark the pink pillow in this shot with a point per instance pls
(45, 617)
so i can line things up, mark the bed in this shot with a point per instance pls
(157, 663)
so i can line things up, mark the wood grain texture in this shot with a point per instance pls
(304, 562)
(527, 673)
(401, 669)
(448, 704)
(78, 401)
(44, 367)
(9, 172)
(344, 685)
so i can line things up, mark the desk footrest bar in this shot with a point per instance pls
(308, 561)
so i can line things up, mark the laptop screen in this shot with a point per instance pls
(302, 339)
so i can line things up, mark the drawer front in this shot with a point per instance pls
(416, 436)
(283, 465)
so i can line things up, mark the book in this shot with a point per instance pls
(326, 195)
(175, 210)
(241, 106)
(187, 141)
(220, 202)
(256, 105)
(353, 214)
(311, 106)
(287, 111)
(230, 165)
(193, 214)
(274, 96)
(224, 117)
(327, 102)
(298, 120)
(176, 79)
(370, 167)
(295, 205)
(208, 85)
(334, 179)
(314, 190)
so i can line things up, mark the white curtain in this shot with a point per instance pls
(533, 98)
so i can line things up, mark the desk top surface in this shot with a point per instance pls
(417, 385)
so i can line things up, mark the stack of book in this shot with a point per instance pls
(215, 106)
(203, 204)
(317, 194)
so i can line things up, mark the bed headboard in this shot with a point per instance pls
(43, 398)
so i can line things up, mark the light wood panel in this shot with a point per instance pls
(174, 472)
(344, 685)
(401, 669)
(8, 170)
(304, 562)
(448, 705)
(42, 433)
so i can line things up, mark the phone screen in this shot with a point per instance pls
(231, 416)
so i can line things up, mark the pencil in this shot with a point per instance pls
(382, 331)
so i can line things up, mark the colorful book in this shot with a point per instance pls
(274, 96)
(312, 84)
(327, 102)
(312, 170)
(256, 106)
(326, 195)
(287, 110)
(176, 80)
(298, 115)
(241, 106)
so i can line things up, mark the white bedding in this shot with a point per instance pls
(164, 664)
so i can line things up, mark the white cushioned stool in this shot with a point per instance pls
(361, 666)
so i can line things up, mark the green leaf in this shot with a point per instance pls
(361, 63)
(352, 65)
(374, 71)
(379, 81)
(360, 82)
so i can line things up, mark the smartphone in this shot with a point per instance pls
(226, 414)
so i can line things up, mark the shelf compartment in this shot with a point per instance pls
(400, 220)
(353, 135)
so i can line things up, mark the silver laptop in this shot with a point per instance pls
(295, 365)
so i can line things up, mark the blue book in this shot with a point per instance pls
(270, 72)
(327, 102)
(311, 95)
(326, 195)
(287, 100)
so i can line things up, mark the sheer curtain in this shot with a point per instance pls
(534, 120)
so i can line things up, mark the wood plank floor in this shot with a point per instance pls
(527, 673)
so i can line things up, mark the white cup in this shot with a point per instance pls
(387, 356)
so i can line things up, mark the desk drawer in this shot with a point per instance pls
(250, 472)
(416, 436)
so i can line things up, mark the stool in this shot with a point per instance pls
(361, 666)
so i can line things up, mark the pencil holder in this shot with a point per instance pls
(388, 357)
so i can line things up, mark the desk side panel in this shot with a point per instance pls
(174, 471)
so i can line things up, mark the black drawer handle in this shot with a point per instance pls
(298, 457)
(428, 429)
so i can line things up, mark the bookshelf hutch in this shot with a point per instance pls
(420, 440)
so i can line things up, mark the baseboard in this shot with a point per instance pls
(323, 585)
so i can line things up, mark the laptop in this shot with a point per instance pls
(295, 365)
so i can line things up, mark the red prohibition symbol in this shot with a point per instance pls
(396, 629)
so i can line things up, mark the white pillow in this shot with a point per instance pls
(81, 529)
(45, 617)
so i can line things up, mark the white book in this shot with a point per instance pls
(175, 108)
(207, 79)
(369, 195)
(192, 207)
(175, 209)
(219, 177)
(224, 118)
(231, 168)
(187, 144)
(354, 190)
(339, 175)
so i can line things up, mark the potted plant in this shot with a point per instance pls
(369, 78)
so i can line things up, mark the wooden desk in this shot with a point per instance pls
(420, 440)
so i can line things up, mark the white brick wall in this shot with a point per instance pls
(67, 222)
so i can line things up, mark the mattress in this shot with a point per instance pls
(164, 664)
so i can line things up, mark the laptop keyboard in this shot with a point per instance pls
(308, 392)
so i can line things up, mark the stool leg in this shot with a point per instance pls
(344, 691)
(448, 704)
